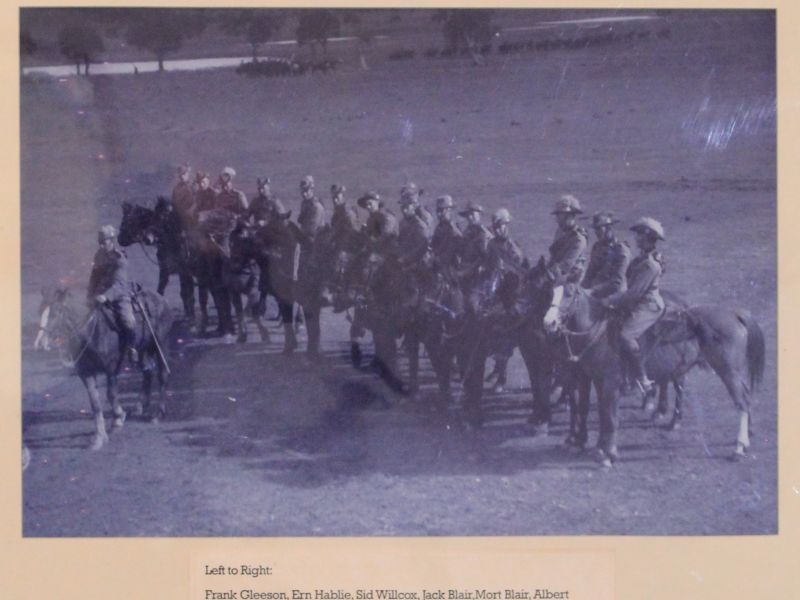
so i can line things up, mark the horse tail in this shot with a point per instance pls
(755, 349)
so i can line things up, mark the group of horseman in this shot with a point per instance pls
(467, 257)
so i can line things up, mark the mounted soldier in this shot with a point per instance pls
(447, 238)
(183, 198)
(474, 254)
(109, 286)
(262, 205)
(609, 259)
(229, 198)
(502, 252)
(277, 241)
(308, 293)
(641, 305)
(568, 248)
(410, 194)
(415, 233)
(205, 197)
(345, 224)
(381, 228)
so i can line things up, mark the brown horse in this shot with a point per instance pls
(730, 341)
(93, 349)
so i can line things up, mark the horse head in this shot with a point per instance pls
(58, 320)
(136, 224)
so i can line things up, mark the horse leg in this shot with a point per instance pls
(539, 367)
(608, 401)
(147, 381)
(113, 399)
(100, 435)
(236, 301)
(187, 294)
(679, 383)
(355, 346)
(411, 343)
(584, 402)
(313, 332)
(474, 367)
(289, 337)
(161, 409)
(202, 297)
(163, 279)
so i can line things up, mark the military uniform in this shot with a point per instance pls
(608, 264)
(642, 300)
(184, 203)
(566, 252)
(205, 199)
(446, 244)
(382, 230)
(503, 254)
(345, 228)
(413, 239)
(109, 278)
(232, 200)
(261, 208)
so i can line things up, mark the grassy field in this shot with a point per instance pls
(681, 129)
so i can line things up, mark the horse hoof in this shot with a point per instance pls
(98, 441)
(606, 462)
(228, 339)
(119, 420)
(539, 429)
(739, 454)
(499, 388)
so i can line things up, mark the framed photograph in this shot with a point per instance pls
(382, 303)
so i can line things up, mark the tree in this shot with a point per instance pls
(466, 28)
(357, 19)
(257, 25)
(27, 45)
(315, 26)
(162, 31)
(80, 44)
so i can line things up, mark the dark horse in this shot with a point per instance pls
(176, 252)
(93, 347)
(511, 307)
(730, 341)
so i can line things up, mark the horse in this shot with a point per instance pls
(730, 341)
(93, 348)
(177, 252)
(505, 314)
(241, 274)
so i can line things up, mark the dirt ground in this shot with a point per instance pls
(680, 128)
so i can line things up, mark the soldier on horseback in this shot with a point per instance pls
(609, 259)
(109, 285)
(345, 225)
(474, 249)
(569, 245)
(447, 238)
(205, 197)
(309, 290)
(641, 304)
(409, 196)
(381, 228)
(229, 198)
(415, 232)
(503, 253)
(183, 198)
(262, 205)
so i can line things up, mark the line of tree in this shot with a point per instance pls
(163, 31)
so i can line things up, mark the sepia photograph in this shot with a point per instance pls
(398, 272)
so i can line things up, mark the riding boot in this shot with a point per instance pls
(128, 346)
(637, 365)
